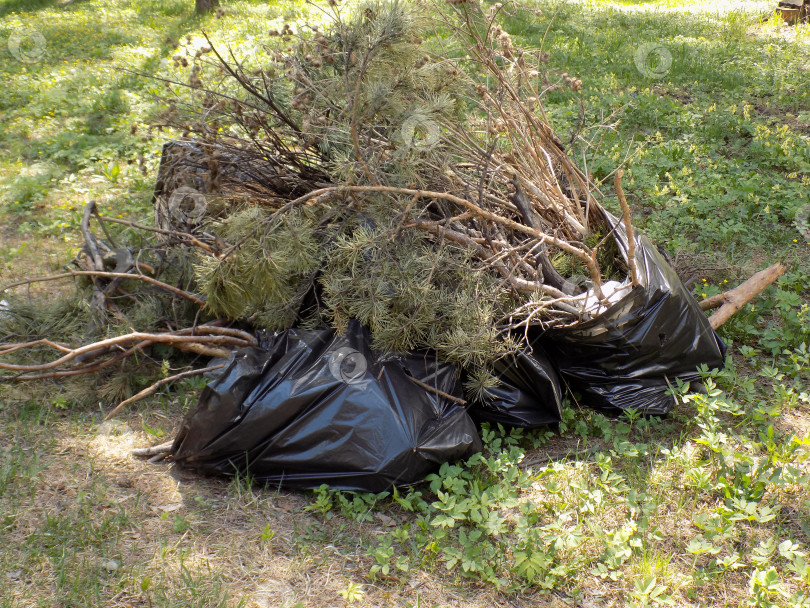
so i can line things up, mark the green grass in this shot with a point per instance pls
(706, 508)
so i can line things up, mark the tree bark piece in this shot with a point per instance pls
(731, 301)
(99, 300)
(205, 6)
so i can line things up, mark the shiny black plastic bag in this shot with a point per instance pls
(528, 394)
(318, 408)
(627, 357)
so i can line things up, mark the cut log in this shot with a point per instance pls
(731, 301)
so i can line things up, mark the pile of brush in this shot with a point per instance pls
(415, 185)
(394, 167)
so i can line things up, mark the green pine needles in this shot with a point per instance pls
(410, 292)
(267, 274)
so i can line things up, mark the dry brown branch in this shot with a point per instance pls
(110, 275)
(628, 227)
(216, 329)
(150, 390)
(714, 301)
(541, 237)
(559, 455)
(173, 233)
(93, 256)
(731, 301)
(202, 349)
(10, 348)
(89, 239)
(438, 392)
(215, 337)
(84, 369)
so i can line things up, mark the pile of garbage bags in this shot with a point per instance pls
(313, 407)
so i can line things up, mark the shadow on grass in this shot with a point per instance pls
(25, 6)
(91, 117)
(69, 536)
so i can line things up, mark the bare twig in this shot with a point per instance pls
(174, 233)
(110, 275)
(180, 339)
(162, 382)
(438, 392)
(10, 348)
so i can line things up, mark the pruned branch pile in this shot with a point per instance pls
(396, 166)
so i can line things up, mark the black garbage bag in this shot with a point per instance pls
(315, 408)
(627, 356)
(528, 394)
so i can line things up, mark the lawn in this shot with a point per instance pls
(707, 108)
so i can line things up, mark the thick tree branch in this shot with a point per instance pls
(731, 301)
